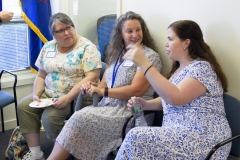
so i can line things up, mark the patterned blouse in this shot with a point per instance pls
(64, 70)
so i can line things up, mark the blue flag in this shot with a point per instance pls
(36, 14)
(0, 5)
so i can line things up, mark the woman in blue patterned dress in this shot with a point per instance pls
(192, 101)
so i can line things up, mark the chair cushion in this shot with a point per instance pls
(5, 99)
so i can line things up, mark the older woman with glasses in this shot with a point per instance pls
(64, 63)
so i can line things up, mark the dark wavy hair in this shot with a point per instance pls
(187, 29)
(116, 43)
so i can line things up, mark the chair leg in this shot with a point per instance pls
(3, 130)
(16, 112)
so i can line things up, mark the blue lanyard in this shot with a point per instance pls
(116, 69)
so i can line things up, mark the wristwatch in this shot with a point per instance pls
(0, 20)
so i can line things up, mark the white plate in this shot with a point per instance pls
(44, 103)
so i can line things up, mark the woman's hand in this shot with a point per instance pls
(139, 100)
(6, 16)
(85, 88)
(36, 98)
(136, 54)
(61, 102)
(95, 89)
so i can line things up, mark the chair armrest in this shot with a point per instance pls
(220, 145)
(80, 98)
(149, 112)
(125, 127)
(15, 80)
(127, 121)
(8, 73)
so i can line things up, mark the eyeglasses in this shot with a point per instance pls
(61, 31)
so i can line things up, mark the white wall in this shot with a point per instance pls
(218, 19)
(88, 13)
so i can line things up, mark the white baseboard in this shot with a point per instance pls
(10, 124)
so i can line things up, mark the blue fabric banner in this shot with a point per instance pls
(36, 14)
(0, 5)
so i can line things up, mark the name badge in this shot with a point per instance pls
(128, 63)
(51, 54)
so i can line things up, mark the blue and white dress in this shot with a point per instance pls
(187, 132)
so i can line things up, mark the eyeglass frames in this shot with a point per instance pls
(61, 31)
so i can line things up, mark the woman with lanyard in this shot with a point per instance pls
(93, 132)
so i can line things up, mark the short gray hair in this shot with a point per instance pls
(61, 18)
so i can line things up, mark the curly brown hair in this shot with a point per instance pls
(116, 43)
(187, 29)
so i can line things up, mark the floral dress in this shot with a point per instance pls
(187, 132)
(66, 70)
(93, 132)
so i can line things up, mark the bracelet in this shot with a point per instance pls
(147, 69)
(106, 92)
